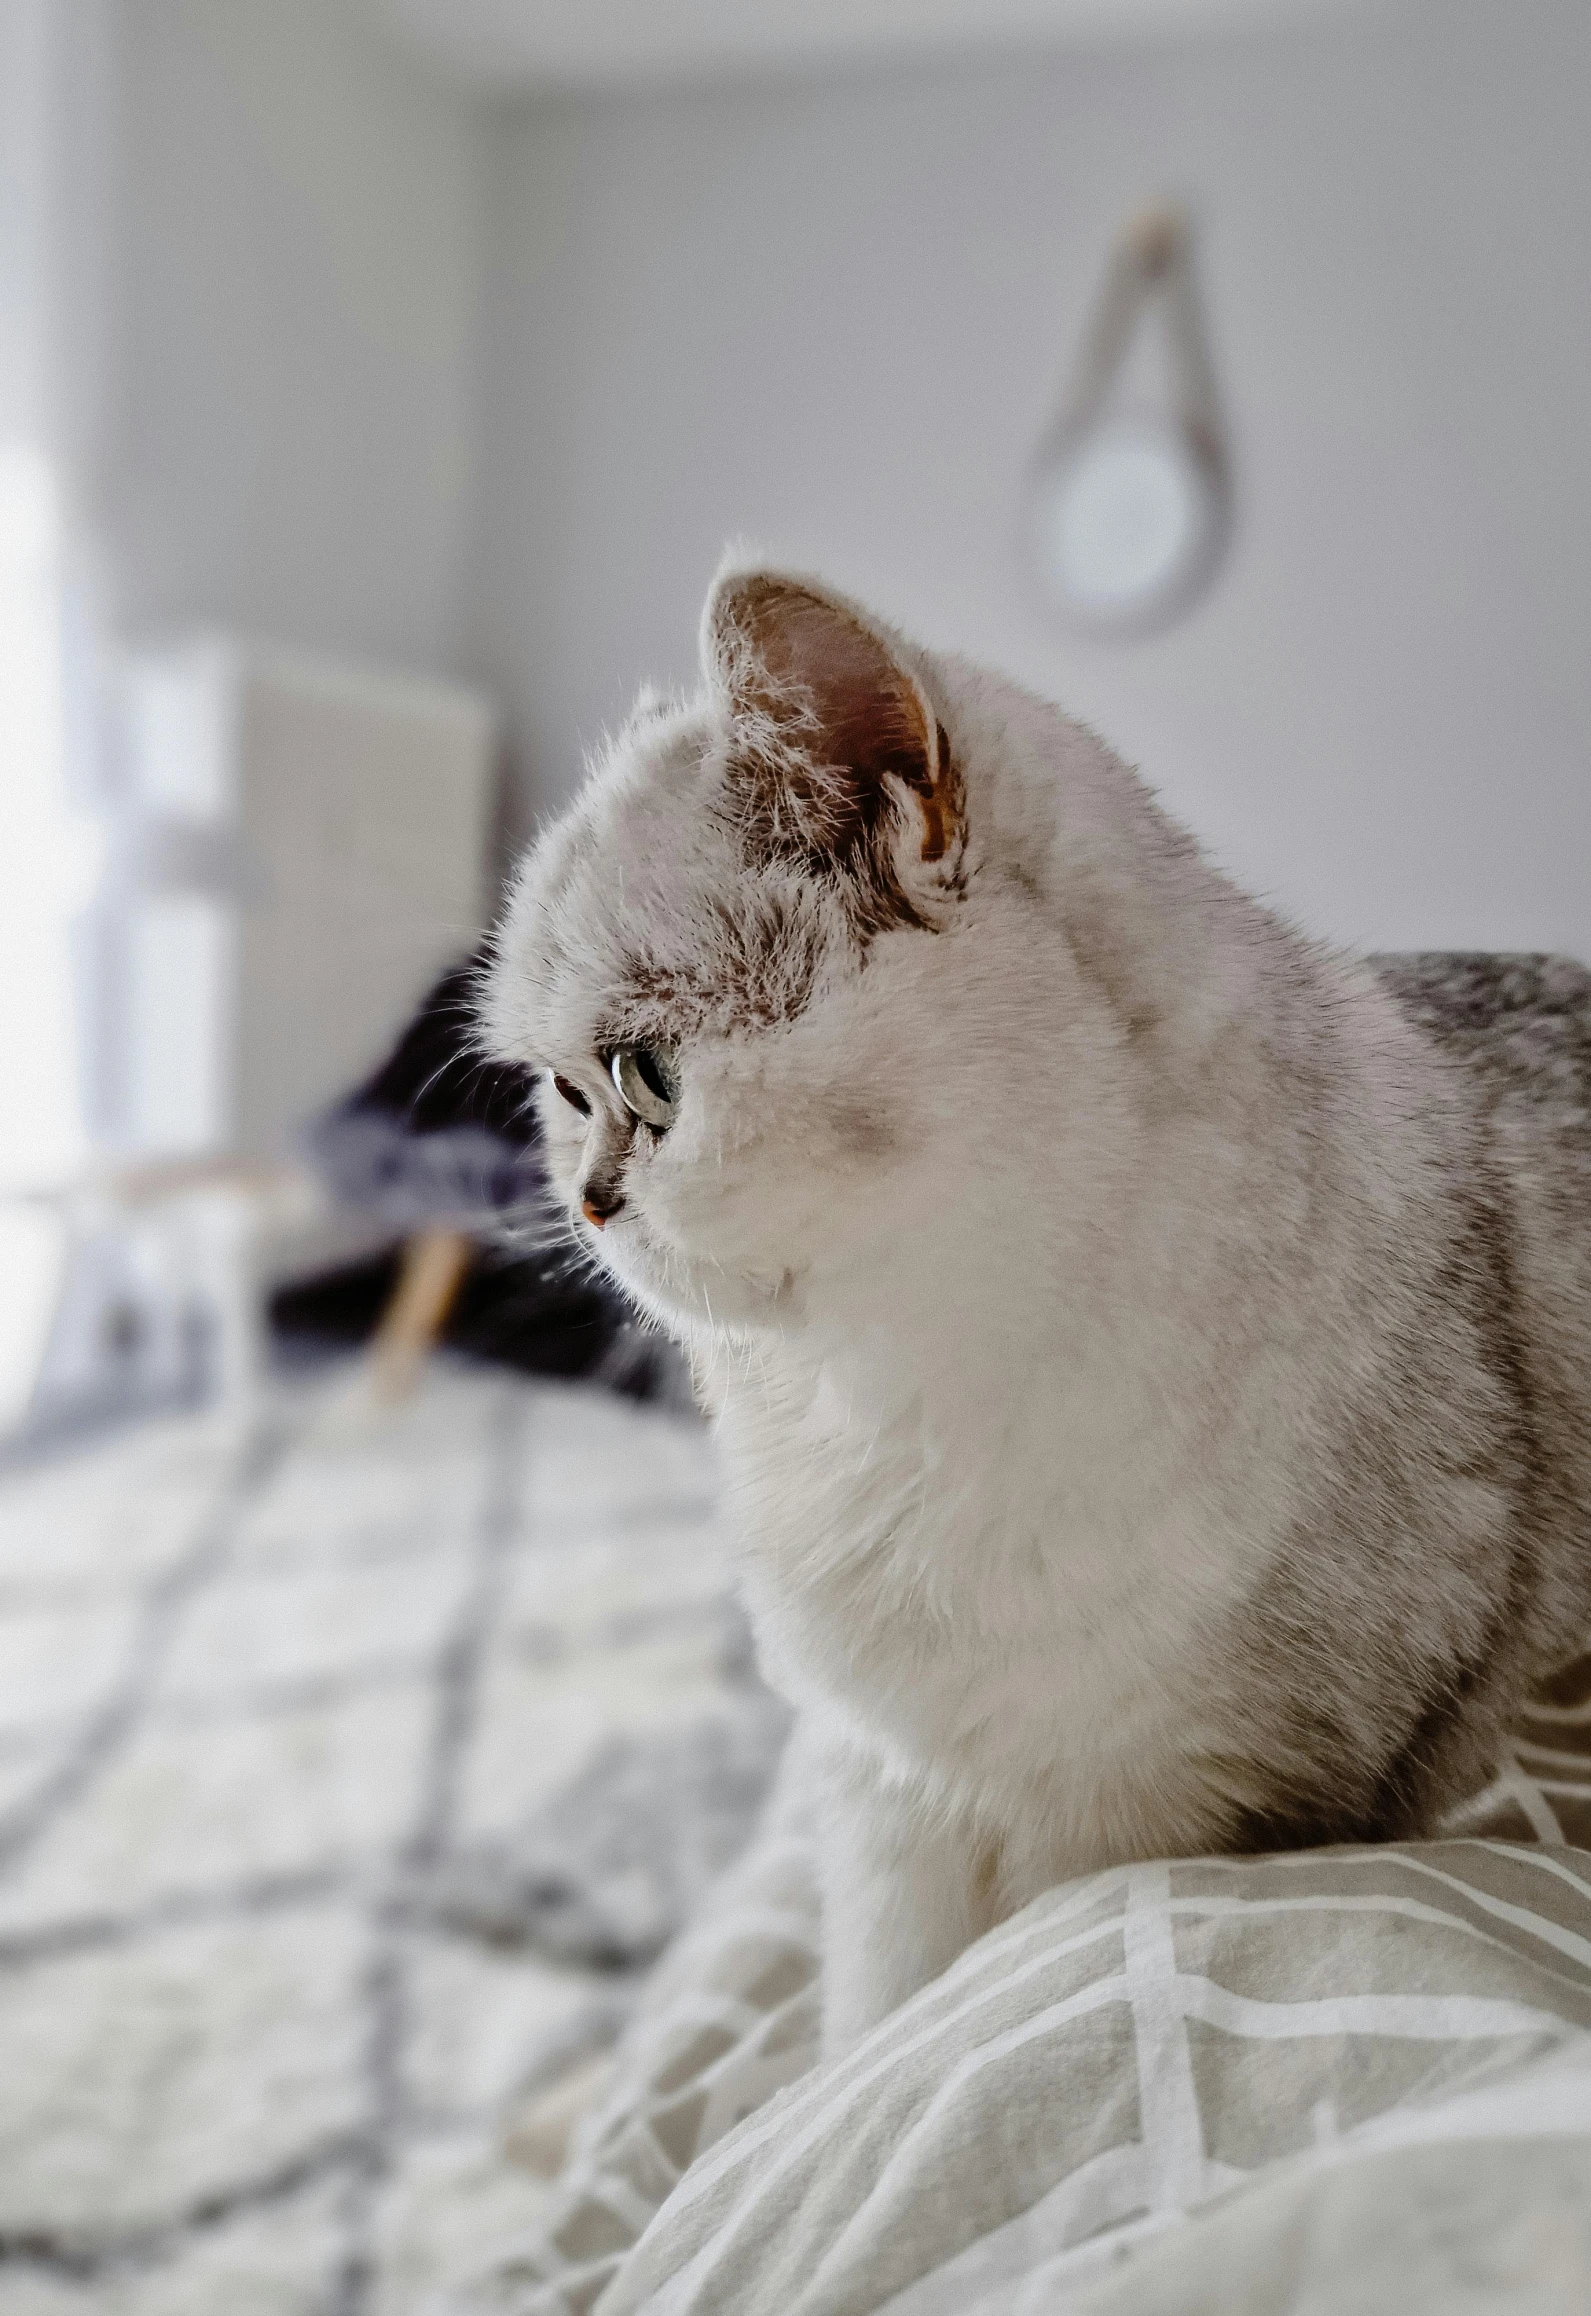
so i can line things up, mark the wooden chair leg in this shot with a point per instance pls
(429, 1278)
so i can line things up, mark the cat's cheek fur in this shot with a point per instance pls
(564, 1138)
(770, 1176)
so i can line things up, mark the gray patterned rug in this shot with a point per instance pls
(351, 1768)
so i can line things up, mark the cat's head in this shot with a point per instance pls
(784, 1020)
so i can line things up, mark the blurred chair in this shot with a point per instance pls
(441, 1146)
(300, 847)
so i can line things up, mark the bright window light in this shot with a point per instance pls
(45, 867)
(46, 858)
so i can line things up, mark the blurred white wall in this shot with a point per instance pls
(21, 72)
(292, 258)
(832, 316)
(383, 368)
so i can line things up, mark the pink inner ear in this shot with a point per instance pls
(813, 667)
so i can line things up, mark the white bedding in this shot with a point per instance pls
(1348, 2079)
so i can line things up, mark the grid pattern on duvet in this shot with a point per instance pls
(1208, 2018)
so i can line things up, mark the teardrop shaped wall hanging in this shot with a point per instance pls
(1130, 508)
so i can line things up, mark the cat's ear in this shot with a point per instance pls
(836, 750)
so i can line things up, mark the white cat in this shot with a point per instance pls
(1152, 1354)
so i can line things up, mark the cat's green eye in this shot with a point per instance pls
(648, 1083)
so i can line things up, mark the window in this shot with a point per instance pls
(44, 866)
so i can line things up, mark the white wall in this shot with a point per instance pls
(21, 72)
(293, 271)
(832, 317)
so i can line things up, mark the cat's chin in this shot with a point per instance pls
(689, 1295)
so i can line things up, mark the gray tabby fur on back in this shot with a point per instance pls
(1152, 1352)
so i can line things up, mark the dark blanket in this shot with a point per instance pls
(441, 1137)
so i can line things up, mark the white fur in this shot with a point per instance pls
(1005, 1262)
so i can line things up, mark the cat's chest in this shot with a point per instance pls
(984, 1625)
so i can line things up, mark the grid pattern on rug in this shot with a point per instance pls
(1130, 2048)
(351, 1770)
(350, 1775)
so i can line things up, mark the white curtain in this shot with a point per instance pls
(46, 836)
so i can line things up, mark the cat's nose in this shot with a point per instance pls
(599, 1206)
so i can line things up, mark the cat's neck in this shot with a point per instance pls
(1102, 1352)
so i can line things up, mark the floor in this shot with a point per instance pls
(352, 1767)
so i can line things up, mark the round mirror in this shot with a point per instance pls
(1129, 504)
(1128, 521)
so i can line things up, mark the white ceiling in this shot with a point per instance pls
(523, 43)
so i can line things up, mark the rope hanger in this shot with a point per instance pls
(1131, 511)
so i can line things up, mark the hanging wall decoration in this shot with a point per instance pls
(1130, 496)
